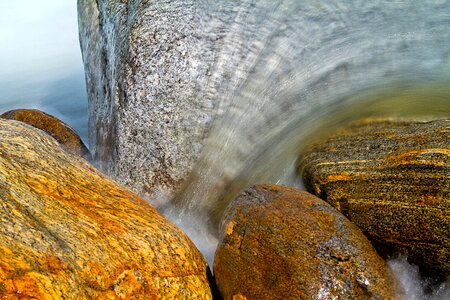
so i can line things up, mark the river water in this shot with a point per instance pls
(314, 66)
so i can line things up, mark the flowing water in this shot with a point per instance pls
(308, 67)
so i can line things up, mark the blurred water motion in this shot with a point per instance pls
(307, 67)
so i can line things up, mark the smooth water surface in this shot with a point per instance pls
(40, 60)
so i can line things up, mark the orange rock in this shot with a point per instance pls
(60, 131)
(282, 243)
(392, 179)
(69, 232)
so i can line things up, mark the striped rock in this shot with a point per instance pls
(392, 179)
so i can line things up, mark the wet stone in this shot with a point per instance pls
(392, 179)
(60, 131)
(69, 232)
(282, 243)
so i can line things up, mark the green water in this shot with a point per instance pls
(414, 103)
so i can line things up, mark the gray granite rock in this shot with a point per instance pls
(173, 84)
(152, 93)
(143, 71)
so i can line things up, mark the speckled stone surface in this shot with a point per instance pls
(68, 232)
(167, 78)
(282, 243)
(158, 74)
(63, 133)
(144, 70)
(392, 179)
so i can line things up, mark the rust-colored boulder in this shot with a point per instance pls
(60, 131)
(392, 179)
(68, 232)
(282, 243)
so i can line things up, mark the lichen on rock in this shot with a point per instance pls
(67, 231)
(392, 179)
(282, 243)
(60, 131)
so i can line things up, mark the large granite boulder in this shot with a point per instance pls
(170, 82)
(392, 179)
(68, 232)
(62, 132)
(282, 243)
(142, 71)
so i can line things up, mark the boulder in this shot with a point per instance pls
(392, 179)
(170, 82)
(146, 122)
(60, 131)
(282, 243)
(68, 232)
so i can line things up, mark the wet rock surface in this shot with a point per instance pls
(68, 232)
(165, 78)
(144, 69)
(60, 131)
(282, 243)
(392, 179)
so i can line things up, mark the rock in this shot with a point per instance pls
(69, 232)
(172, 82)
(392, 179)
(63, 133)
(147, 119)
(282, 243)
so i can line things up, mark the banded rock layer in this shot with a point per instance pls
(392, 179)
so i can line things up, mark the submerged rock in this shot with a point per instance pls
(282, 243)
(69, 232)
(392, 179)
(60, 131)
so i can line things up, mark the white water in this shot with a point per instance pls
(306, 67)
(307, 58)
(414, 285)
(304, 60)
